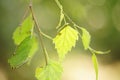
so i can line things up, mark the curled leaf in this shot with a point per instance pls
(65, 40)
(24, 52)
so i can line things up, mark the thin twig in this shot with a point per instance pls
(24, 16)
(40, 33)
(58, 4)
(75, 25)
(49, 37)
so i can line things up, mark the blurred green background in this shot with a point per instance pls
(100, 17)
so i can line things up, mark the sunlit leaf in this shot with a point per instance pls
(52, 71)
(65, 40)
(85, 38)
(24, 52)
(95, 62)
(24, 30)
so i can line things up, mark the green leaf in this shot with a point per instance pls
(24, 30)
(24, 52)
(95, 62)
(85, 38)
(52, 71)
(65, 40)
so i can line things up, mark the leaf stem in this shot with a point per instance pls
(62, 11)
(49, 37)
(24, 16)
(59, 5)
(75, 25)
(40, 33)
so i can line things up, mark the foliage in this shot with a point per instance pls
(24, 52)
(24, 30)
(65, 40)
(52, 71)
(27, 44)
(85, 38)
(95, 62)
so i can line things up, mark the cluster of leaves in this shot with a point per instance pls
(27, 44)
(26, 41)
(66, 38)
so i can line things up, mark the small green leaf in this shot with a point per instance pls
(65, 40)
(24, 30)
(24, 52)
(95, 62)
(52, 71)
(85, 38)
